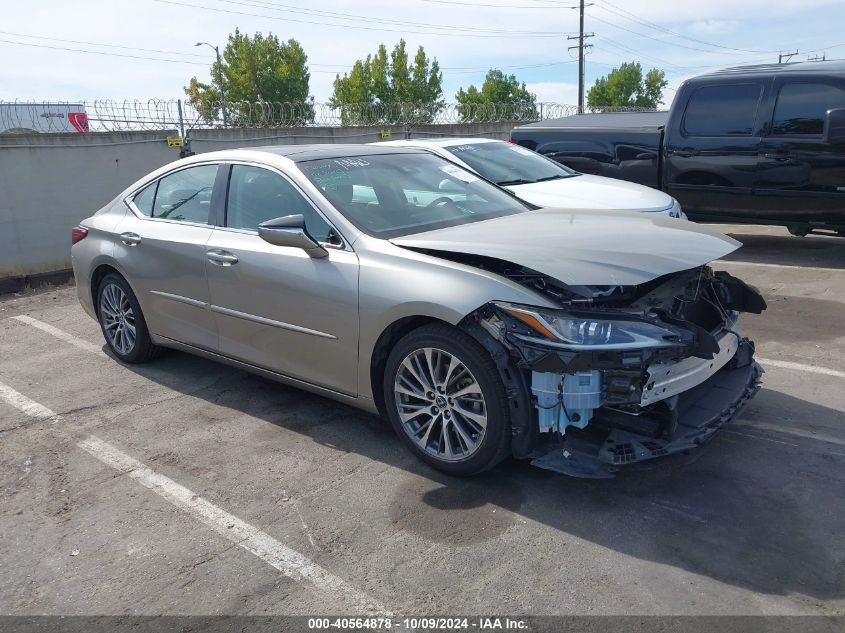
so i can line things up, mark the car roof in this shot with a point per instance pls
(831, 67)
(437, 142)
(299, 153)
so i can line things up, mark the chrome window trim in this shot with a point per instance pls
(345, 243)
(128, 199)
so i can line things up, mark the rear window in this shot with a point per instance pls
(185, 195)
(144, 199)
(801, 107)
(509, 164)
(724, 110)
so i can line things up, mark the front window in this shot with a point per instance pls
(257, 195)
(388, 195)
(509, 164)
(801, 107)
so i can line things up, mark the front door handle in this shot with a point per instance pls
(781, 155)
(130, 239)
(221, 258)
(685, 152)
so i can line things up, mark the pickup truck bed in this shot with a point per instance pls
(624, 145)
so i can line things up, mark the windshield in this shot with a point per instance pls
(389, 195)
(509, 164)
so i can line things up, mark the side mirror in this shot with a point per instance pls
(290, 231)
(834, 126)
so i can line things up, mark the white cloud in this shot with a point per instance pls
(715, 27)
(332, 45)
(555, 92)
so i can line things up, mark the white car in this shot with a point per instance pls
(544, 182)
(28, 118)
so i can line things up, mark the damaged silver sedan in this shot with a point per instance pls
(398, 282)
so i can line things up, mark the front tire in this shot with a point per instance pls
(445, 399)
(122, 321)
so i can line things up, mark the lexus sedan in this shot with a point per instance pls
(542, 181)
(398, 282)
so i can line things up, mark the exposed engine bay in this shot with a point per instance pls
(620, 374)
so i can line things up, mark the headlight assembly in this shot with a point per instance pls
(569, 331)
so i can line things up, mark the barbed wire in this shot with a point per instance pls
(107, 115)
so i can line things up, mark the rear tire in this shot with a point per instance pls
(122, 321)
(445, 399)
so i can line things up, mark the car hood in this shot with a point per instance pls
(593, 192)
(583, 247)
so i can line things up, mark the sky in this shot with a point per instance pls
(144, 49)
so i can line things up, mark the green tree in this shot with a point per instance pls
(265, 82)
(501, 97)
(390, 88)
(625, 87)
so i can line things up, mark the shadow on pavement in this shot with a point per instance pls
(763, 514)
(813, 250)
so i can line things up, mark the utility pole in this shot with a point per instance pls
(222, 89)
(787, 56)
(581, 37)
(816, 58)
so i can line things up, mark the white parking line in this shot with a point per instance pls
(812, 369)
(291, 563)
(60, 334)
(730, 262)
(22, 403)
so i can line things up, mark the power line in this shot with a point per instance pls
(658, 27)
(662, 41)
(287, 8)
(125, 56)
(356, 26)
(129, 48)
(500, 6)
(626, 50)
(335, 68)
(79, 50)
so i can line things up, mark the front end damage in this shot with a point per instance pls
(621, 374)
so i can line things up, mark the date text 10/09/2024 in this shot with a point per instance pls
(422, 623)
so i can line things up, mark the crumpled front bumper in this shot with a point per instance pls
(596, 452)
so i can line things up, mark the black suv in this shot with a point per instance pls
(757, 144)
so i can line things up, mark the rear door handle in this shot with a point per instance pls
(780, 155)
(130, 239)
(221, 258)
(686, 152)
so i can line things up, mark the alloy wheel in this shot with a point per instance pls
(440, 404)
(118, 319)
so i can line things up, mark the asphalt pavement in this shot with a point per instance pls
(186, 487)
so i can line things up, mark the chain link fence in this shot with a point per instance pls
(176, 114)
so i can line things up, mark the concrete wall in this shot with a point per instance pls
(49, 182)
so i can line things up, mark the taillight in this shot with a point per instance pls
(79, 120)
(77, 234)
(510, 140)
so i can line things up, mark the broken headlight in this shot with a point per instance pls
(571, 331)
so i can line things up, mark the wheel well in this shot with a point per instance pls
(99, 273)
(386, 341)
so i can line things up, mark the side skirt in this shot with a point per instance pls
(360, 403)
